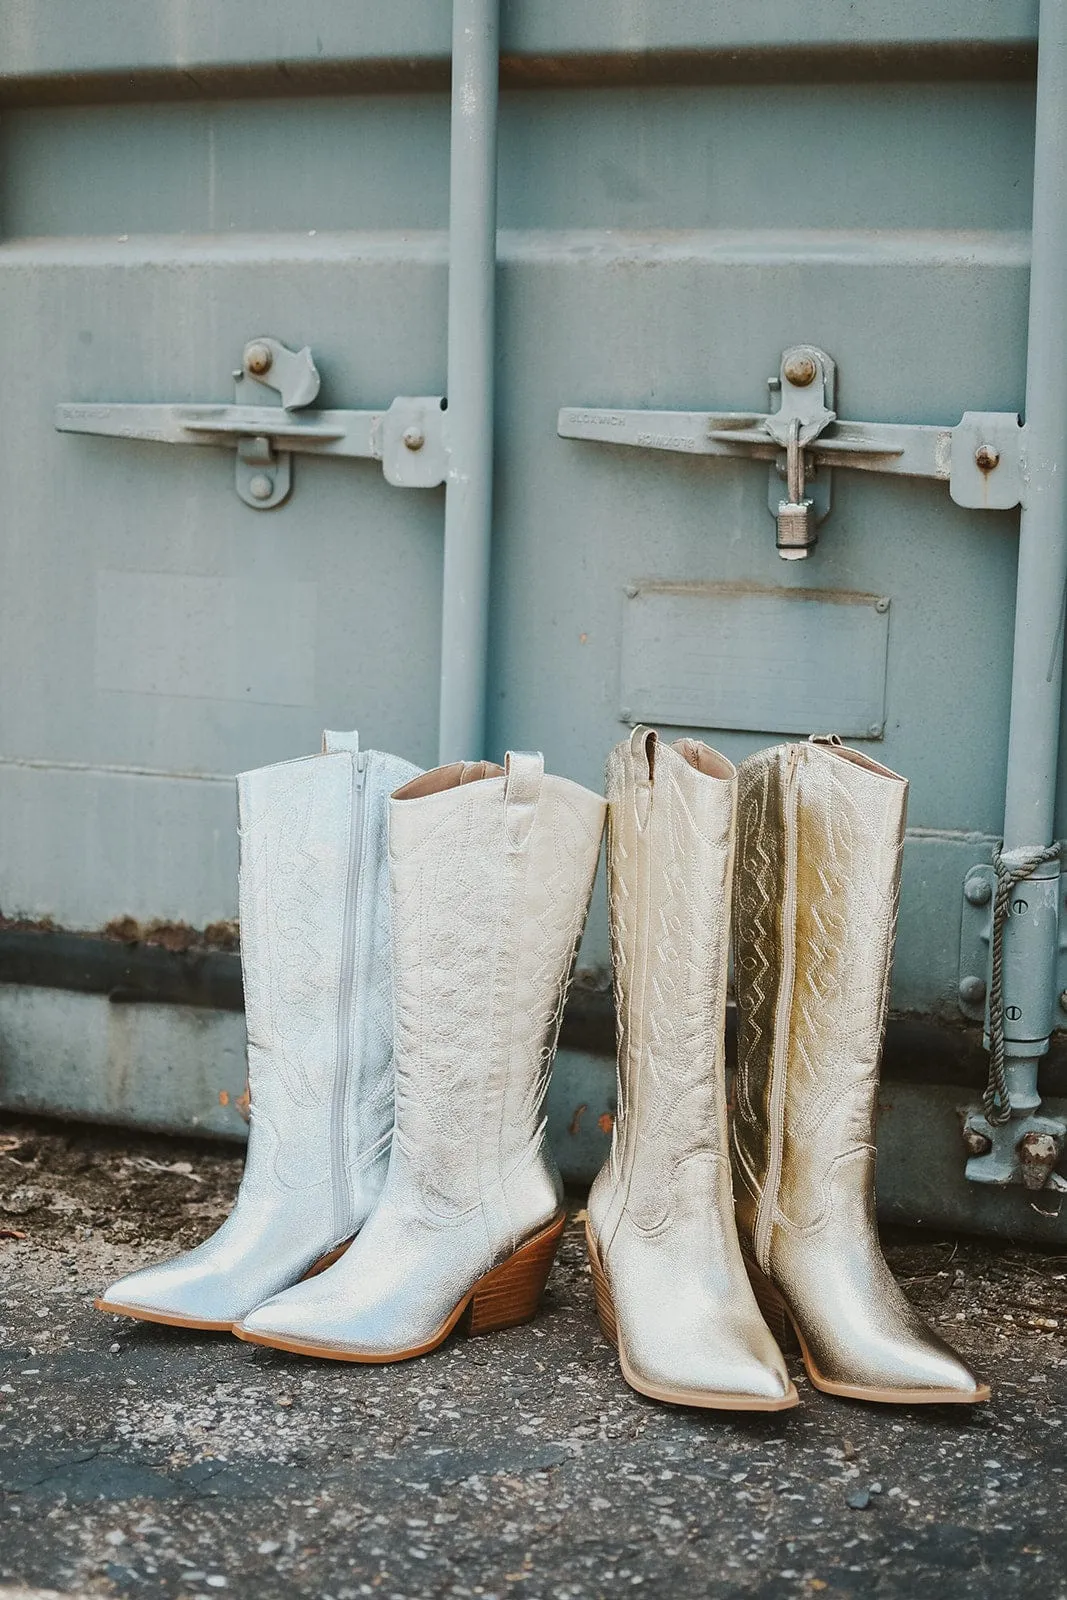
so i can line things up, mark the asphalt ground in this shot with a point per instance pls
(145, 1461)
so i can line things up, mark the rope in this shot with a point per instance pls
(995, 1099)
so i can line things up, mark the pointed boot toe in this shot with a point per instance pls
(928, 1374)
(174, 1293)
(327, 1317)
(302, 1319)
(897, 1362)
(709, 1377)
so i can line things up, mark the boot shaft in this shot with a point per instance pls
(315, 952)
(491, 873)
(820, 834)
(670, 857)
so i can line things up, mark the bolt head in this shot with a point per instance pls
(800, 371)
(414, 438)
(972, 990)
(975, 1142)
(986, 457)
(260, 487)
(882, 605)
(977, 891)
(1038, 1154)
(632, 591)
(258, 359)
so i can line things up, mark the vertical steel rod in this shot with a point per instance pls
(471, 343)
(1037, 668)
(1030, 939)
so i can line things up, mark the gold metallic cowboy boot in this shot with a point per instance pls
(819, 838)
(670, 1283)
(491, 871)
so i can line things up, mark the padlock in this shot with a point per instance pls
(796, 516)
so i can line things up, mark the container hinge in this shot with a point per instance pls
(981, 459)
(408, 438)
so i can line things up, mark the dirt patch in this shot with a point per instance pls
(76, 1183)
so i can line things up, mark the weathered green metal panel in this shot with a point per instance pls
(685, 191)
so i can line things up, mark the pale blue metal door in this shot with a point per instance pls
(685, 192)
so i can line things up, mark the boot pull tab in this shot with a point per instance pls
(643, 742)
(524, 772)
(333, 743)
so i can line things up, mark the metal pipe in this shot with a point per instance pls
(471, 342)
(1037, 668)
(1030, 934)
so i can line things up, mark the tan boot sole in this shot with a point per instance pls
(168, 1320)
(605, 1310)
(780, 1320)
(165, 1319)
(504, 1298)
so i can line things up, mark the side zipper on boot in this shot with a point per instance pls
(342, 1189)
(780, 1048)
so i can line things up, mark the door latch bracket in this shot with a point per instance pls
(1026, 1149)
(982, 459)
(408, 437)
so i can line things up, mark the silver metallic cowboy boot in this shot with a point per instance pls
(491, 873)
(820, 834)
(315, 955)
(670, 1282)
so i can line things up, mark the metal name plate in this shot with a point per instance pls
(762, 660)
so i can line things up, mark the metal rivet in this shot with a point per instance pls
(972, 990)
(977, 891)
(414, 438)
(875, 730)
(986, 457)
(800, 370)
(625, 715)
(632, 591)
(882, 604)
(260, 487)
(258, 359)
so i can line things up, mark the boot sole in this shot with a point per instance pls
(507, 1296)
(780, 1320)
(605, 1310)
(165, 1319)
(172, 1320)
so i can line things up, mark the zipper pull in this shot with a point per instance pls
(833, 739)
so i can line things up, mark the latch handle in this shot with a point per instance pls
(409, 437)
(982, 458)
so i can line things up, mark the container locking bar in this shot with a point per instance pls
(408, 438)
(982, 459)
